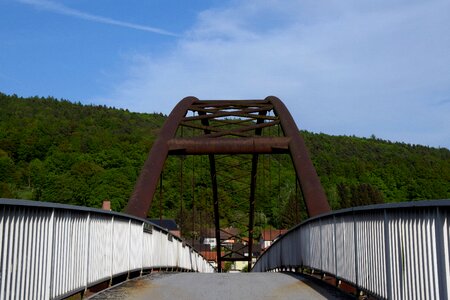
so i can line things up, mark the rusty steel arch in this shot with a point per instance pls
(229, 127)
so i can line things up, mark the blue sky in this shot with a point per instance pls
(341, 66)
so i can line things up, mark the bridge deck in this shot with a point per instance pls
(219, 286)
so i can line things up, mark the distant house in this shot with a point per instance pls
(168, 224)
(228, 236)
(210, 241)
(268, 236)
(234, 247)
(211, 257)
(240, 251)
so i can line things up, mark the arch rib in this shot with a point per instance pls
(312, 190)
(141, 199)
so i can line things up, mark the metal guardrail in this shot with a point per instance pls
(51, 251)
(391, 251)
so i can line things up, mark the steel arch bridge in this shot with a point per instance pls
(229, 127)
(388, 251)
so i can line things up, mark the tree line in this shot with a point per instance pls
(58, 151)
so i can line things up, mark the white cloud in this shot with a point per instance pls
(64, 10)
(341, 69)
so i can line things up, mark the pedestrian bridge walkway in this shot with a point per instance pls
(395, 251)
(195, 286)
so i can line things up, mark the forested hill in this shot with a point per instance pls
(58, 151)
(55, 150)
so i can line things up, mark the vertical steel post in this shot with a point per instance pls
(355, 238)
(335, 251)
(252, 209)
(193, 201)
(213, 172)
(112, 250)
(387, 254)
(129, 248)
(254, 171)
(321, 245)
(88, 244)
(181, 194)
(440, 255)
(50, 257)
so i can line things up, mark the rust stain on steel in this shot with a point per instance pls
(201, 146)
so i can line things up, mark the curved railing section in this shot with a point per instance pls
(50, 251)
(393, 251)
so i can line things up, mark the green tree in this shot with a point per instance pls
(7, 169)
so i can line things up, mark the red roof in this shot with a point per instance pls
(272, 234)
(225, 233)
(210, 255)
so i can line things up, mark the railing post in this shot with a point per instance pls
(143, 248)
(440, 256)
(320, 245)
(309, 247)
(50, 245)
(335, 252)
(129, 246)
(8, 263)
(355, 238)
(88, 245)
(112, 251)
(387, 254)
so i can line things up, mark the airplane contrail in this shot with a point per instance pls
(64, 10)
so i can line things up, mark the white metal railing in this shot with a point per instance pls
(50, 251)
(392, 251)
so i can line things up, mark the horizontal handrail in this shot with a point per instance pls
(50, 251)
(391, 251)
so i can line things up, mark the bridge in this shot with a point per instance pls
(389, 251)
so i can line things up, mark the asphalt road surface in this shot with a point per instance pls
(197, 286)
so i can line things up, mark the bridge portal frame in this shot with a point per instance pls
(235, 141)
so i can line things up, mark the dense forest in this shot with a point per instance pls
(58, 151)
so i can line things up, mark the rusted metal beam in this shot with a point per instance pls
(235, 103)
(141, 199)
(312, 190)
(246, 128)
(223, 108)
(228, 133)
(236, 131)
(202, 146)
(198, 126)
(222, 114)
(234, 259)
(226, 122)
